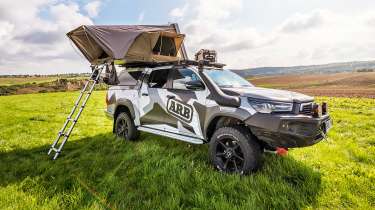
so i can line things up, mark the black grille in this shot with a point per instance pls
(306, 109)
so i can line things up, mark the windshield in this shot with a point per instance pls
(226, 78)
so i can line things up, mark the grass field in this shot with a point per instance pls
(28, 85)
(7, 81)
(98, 171)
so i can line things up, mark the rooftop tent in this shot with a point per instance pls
(132, 43)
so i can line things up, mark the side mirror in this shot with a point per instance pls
(194, 85)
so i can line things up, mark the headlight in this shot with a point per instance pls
(269, 106)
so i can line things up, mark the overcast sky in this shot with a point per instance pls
(250, 33)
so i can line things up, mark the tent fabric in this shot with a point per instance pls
(124, 42)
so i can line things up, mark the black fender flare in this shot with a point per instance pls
(239, 114)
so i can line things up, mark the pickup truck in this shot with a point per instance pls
(206, 104)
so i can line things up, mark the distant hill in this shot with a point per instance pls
(316, 69)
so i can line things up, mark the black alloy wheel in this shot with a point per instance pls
(122, 129)
(235, 150)
(229, 155)
(125, 128)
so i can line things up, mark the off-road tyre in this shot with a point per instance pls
(234, 150)
(127, 132)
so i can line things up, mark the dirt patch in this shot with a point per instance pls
(338, 85)
(351, 93)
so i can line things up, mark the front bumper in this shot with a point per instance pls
(289, 131)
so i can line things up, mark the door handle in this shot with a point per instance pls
(170, 96)
(144, 94)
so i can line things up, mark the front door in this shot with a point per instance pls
(168, 104)
(183, 102)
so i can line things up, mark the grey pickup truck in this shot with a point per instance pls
(202, 103)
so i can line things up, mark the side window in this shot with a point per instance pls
(181, 77)
(158, 78)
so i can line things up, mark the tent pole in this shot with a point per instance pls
(183, 49)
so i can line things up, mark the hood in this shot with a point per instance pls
(268, 94)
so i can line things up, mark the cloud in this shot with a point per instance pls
(303, 22)
(238, 46)
(40, 37)
(40, 45)
(212, 24)
(311, 37)
(66, 16)
(6, 29)
(178, 13)
(93, 8)
(370, 20)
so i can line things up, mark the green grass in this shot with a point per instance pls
(98, 171)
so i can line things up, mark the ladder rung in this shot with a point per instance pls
(52, 149)
(63, 134)
(70, 119)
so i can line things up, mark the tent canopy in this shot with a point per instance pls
(132, 43)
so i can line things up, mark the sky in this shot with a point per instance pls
(245, 33)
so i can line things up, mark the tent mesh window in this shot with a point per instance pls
(165, 46)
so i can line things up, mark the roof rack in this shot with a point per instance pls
(200, 64)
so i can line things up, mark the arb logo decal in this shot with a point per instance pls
(180, 110)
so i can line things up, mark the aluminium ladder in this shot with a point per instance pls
(74, 115)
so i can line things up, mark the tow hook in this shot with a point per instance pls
(279, 151)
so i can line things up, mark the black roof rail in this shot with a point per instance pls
(202, 63)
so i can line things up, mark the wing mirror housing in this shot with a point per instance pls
(194, 85)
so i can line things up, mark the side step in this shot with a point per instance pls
(171, 135)
(74, 115)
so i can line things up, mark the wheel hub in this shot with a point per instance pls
(228, 153)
